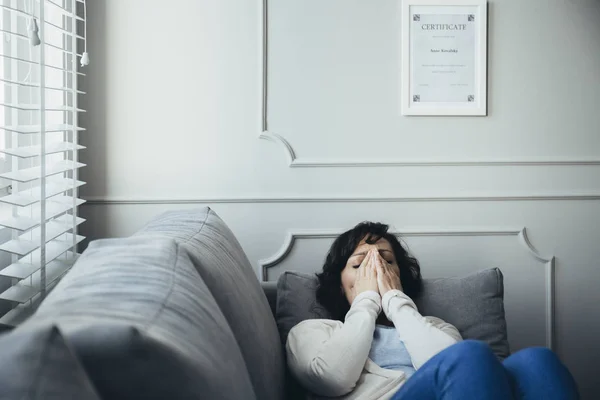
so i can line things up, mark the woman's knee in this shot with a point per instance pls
(534, 357)
(472, 350)
(468, 358)
(539, 367)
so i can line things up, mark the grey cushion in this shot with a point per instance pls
(296, 301)
(37, 364)
(270, 289)
(225, 269)
(145, 325)
(474, 304)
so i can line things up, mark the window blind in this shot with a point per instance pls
(38, 149)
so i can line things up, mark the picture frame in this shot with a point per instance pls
(443, 57)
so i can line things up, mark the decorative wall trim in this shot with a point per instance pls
(289, 151)
(292, 236)
(549, 264)
(295, 162)
(106, 200)
(520, 233)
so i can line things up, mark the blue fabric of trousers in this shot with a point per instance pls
(469, 370)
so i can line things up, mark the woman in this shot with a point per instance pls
(378, 346)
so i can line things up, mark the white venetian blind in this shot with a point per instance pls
(38, 149)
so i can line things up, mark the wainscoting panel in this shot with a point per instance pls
(529, 277)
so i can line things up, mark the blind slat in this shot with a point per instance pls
(36, 107)
(56, 248)
(31, 174)
(24, 14)
(22, 270)
(34, 151)
(22, 292)
(36, 63)
(37, 85)
(29, 197)
(28, 129)
(25, 244)
(25, 223)
(19, 314)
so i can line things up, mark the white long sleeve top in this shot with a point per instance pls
(330, 358)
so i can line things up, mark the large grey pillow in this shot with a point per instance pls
(37, 364)
(296, 301)
(145, 325)
(473, 303)
(227, 272)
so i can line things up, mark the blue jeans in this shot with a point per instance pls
(470, 371)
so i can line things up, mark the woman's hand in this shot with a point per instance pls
(366, 275)
(387, 277)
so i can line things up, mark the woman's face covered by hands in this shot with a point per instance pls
(368, 263)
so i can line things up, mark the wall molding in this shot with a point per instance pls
(520, 233)
(107, 200)
(295, 162)
(549, 265)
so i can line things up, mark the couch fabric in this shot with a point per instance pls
(145, 325)
(473, 303)
(224, 267)
(38, 364)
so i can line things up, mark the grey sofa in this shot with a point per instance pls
(173, 312)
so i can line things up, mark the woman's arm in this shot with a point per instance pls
(423, 337)
(328, 359)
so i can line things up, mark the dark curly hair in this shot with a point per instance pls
(329, 293)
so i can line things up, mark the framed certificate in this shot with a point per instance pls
(444, 57)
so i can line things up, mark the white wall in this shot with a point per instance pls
(175, 114)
